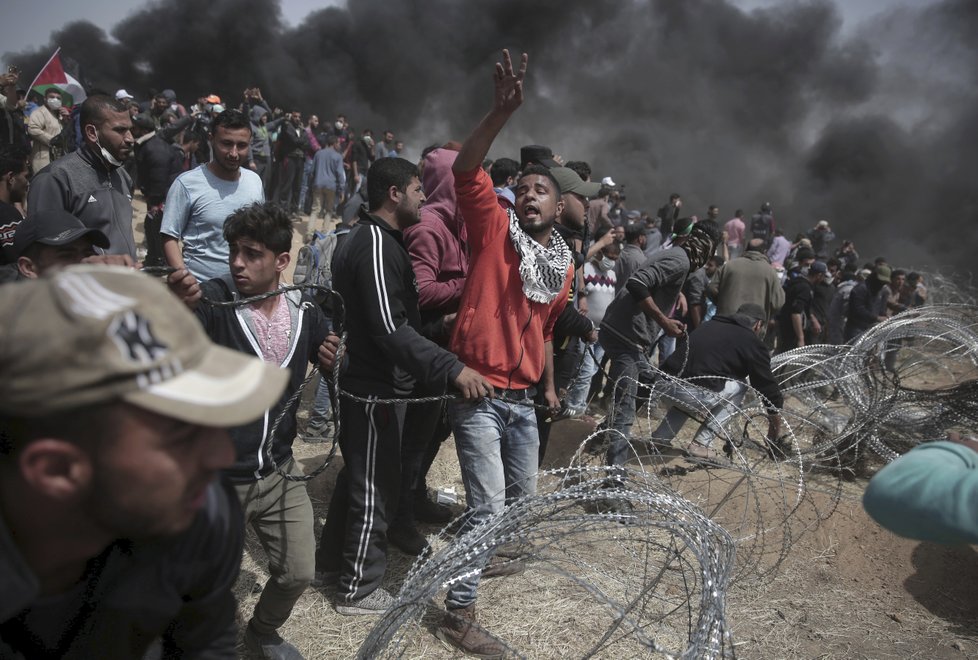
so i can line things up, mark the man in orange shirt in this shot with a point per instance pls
(520, 273)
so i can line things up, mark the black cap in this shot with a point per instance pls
(536, 153)
(753, 311)
(54, 227)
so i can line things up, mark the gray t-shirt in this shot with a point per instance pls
(663, 276)
(197, 206)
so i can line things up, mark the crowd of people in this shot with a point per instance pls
(503, 282)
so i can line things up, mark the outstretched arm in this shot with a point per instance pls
(507, 97)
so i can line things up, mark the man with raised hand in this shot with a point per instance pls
(114, 532)
(520, 273)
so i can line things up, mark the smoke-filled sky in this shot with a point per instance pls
(866, 116)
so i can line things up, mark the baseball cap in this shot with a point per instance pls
(144, 121)
(123, 95)
(95, 334)
(213, 98)
(607, 181)
(752, 311)
(536, 153)
(54, 227)
(571, 182)
(883, 273)
(818, 267)
(823, 224)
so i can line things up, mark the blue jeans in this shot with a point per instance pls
(685, 399)
(628, 365)
(578, 389)
(497, 446)
(305, 189)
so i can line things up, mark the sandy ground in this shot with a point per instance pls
(848, 589)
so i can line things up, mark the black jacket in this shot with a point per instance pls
(158, 163)
(177, 589)
(84, 186)
(385, 347)
(229, 327)
(860, 316)
(726, 347)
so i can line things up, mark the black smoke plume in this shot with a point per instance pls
(874, 129)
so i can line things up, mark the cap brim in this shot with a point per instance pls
(228, 388)
(64, 238)
(588, 189)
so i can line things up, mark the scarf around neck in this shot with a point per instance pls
(542, 269)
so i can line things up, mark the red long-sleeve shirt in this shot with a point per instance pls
(498, 332)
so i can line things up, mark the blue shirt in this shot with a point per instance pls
(197, 206)
(328, 169)
(930, 493)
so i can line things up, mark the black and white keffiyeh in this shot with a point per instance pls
(542, 269)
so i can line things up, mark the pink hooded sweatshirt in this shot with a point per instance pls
(437, 243)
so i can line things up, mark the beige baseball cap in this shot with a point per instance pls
(94, 334)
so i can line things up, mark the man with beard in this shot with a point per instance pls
(639, 316)
(520, 274)
(90, 182)
(386, 353)
(573, 329)
(199, 201)
(114, 532)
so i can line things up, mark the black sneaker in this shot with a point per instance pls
(431, 512)
(377, 601)
(270, 646)
(408, 540)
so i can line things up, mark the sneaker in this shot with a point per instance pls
(459, 628)
(431, 512)
(500, 567)
(270, 646)
(325, 579)
(377, 601)
(408, 540)
(319, 434)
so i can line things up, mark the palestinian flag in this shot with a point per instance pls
(53, 75)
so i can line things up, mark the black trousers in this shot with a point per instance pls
(425, 428)
(354, 538)
(289, 178)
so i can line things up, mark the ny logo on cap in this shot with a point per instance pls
(134, 338)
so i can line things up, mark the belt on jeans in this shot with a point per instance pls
(518, 395)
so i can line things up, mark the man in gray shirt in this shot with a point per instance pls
(199, 201)
(639, 315)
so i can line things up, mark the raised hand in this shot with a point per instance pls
(508, 85)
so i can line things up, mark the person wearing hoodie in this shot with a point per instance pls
(437, 249)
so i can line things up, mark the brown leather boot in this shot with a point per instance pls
(459, 628)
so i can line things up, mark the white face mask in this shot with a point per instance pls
(109, 158)
(338, 125)
(54, 103)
